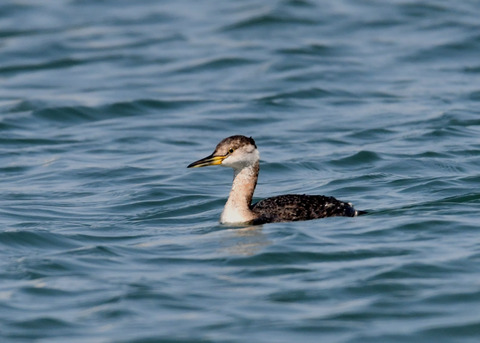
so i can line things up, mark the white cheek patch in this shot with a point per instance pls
(255, 155)
(226, 162)
(242, 158)
(232, 161)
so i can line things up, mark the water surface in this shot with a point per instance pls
(106, 236)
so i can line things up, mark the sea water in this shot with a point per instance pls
(105, 236)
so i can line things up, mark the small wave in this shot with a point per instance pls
(84, 114)
(451, 51)
(55, 64)
(215, 64)
(310, 93)
(266, 20)
(42, 323)
(317, 49)
(357, 158)
(35, 240)
(288, 257)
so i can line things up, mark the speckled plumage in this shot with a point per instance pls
(241, 154)
(294, 207)
(233, 142)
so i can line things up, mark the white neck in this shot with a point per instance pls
(237, 208)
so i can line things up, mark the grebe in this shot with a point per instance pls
(241, 154)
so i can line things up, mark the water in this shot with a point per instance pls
(107, 237)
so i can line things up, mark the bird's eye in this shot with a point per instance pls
(230, 151)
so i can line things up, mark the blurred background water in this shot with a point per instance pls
(106, 236)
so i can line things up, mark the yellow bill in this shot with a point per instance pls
(207, 161)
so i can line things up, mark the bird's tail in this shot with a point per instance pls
(360, 213)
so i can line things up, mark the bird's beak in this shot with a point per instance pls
(207, 161)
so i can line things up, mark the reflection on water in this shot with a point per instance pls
(244, 241)
(106, 237)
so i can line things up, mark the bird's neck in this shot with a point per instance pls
(237, 209)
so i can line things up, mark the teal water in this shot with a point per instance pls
(105, 236)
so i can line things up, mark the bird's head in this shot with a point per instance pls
(236, 152)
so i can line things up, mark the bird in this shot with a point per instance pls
(240, 153)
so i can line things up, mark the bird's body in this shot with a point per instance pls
(293, 207)
(241, 154)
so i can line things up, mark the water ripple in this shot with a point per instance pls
(106, 236)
